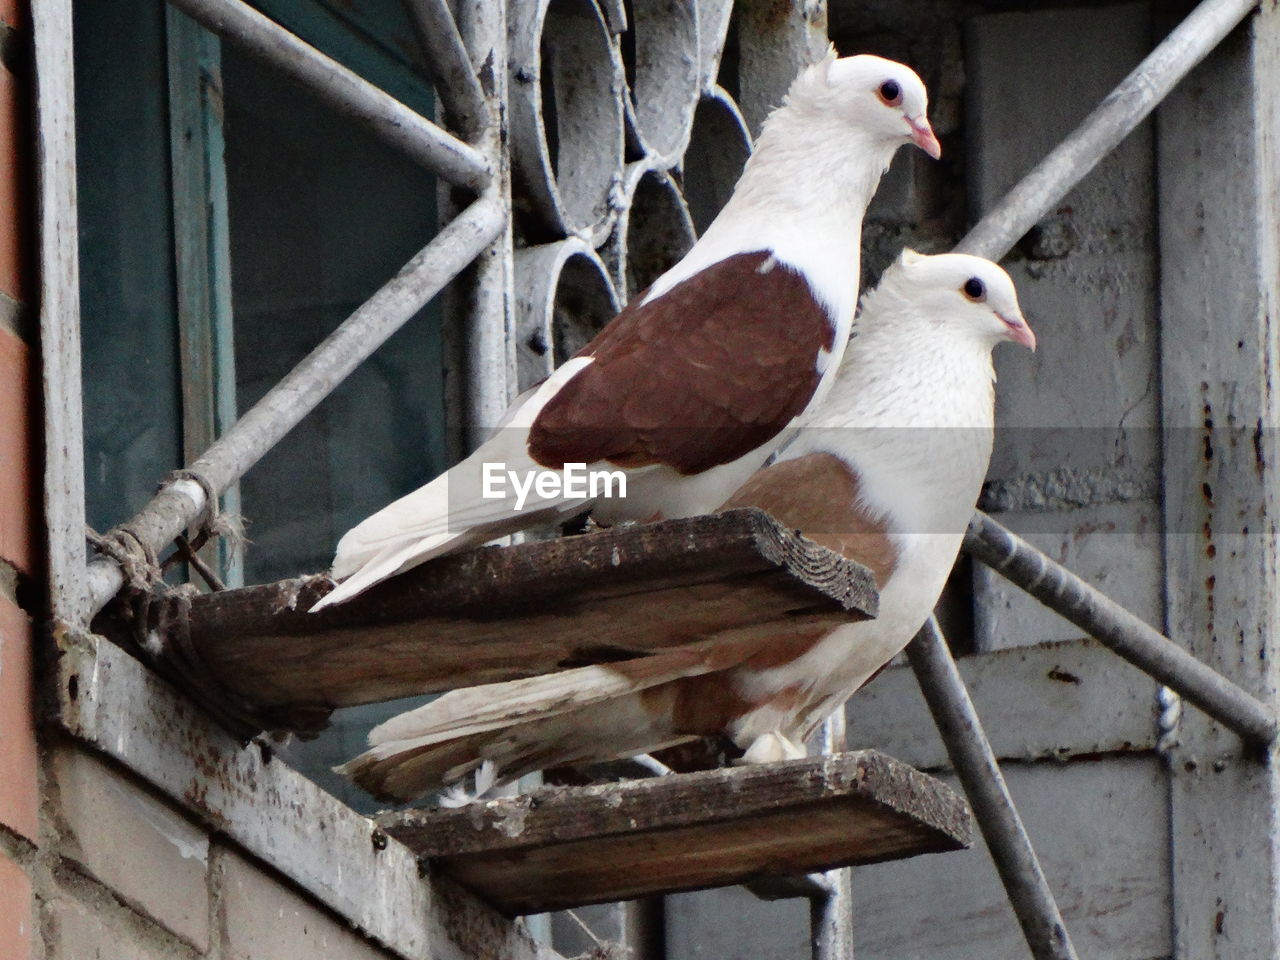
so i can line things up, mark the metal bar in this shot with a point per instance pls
(979, 773)
(1109, 123)
(831, 911)
(343, 90)
(489, 337)
(181, 502)
(456, 84)
(831, 918)
(59, 294)
(1101, 617)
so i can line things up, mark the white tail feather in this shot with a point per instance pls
(452, 512)
(588, 713)
(472, 710)
(460, 796)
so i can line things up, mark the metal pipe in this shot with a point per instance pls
(831, 913)
(1101, 617)
(831, 918)
(456, 84)
(1109, 123)
(344, 91)
(489, 351)
(979, 773)
(181, 502)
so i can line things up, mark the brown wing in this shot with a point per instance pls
(819, 496)
(702, 375)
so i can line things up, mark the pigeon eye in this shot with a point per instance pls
(974, 289)
(890, 93)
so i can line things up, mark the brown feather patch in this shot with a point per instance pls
(706, 704)
(708, 372)
(820, 496)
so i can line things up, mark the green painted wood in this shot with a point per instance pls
(202, 252)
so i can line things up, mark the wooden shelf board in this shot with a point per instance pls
(499, 613)
(562, 847)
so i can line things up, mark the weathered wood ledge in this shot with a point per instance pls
(499, 613)
(562, 847)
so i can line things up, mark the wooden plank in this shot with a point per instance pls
(499, 613)
(1219, 182)
(1051, 701)
(109, 700)
(565, 846)
(59, 293)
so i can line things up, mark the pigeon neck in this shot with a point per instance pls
(818, 171)
(802, 198)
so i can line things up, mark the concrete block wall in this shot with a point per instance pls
(114, 870)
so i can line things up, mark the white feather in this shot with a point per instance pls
(472, 710)
(459, 796)
(913, 413)
(602, 719)
(450, 511)
(830, 132)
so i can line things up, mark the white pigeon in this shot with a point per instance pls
(886, 471)
(691, 387)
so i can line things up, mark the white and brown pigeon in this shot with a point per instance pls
(691, 387)
(886, 471)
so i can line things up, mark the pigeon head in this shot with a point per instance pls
(970, 295)
(883, 98)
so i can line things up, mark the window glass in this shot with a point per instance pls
(132, 394)
(321, 215)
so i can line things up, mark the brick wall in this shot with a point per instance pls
(19, 800)
(127, 874)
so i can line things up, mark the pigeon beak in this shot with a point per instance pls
(1019, 331)
(922, 136)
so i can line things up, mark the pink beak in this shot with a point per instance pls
(1019, 331)
(922, 136)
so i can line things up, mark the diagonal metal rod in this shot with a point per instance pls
(343, 90)
(456, 84)
(979, 773)
(1124, 633)
(181, 502)
(1109, 123)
